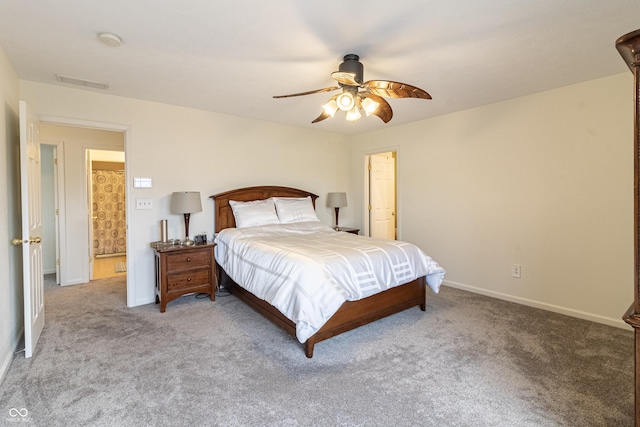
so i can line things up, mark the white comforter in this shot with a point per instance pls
(307, 270)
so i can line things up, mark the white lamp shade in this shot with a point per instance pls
(353, 114)
(186, 202)
(331, 107)
(337, 200)
(369, 106)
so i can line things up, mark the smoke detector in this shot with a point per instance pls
(110, 39)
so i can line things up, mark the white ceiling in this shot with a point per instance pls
(232, 56)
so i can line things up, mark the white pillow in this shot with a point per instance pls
(255, 213)
(295, 209)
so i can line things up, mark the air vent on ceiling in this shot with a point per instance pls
(81, 82)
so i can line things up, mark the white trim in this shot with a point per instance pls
(130, 205)
(366, 221)
(618, 323)
(126, 130)
(84, 123)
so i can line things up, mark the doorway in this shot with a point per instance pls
(380, 193)
(75, 261)
(107, 208)
(50, 185)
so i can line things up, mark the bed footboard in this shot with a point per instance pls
(351, 314)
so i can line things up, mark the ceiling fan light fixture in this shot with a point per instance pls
(353, 114)
(370, 99)
(346, 101)
(369, 106)
(331, 107)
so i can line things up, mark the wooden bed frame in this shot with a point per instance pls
(351, 314)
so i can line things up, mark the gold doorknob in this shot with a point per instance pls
(17, 242)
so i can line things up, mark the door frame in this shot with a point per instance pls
(366, 187)
(88, 170)
(126, 130)
(58, 185)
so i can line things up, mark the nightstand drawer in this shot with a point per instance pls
(191, 259)
(188, 279)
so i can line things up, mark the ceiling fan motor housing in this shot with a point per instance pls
(352, 64)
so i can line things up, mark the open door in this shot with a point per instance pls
(382, 196)
(31, 211)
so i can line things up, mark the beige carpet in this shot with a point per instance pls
(468, 361)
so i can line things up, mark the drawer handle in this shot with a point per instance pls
(188, 259)
(188, 279)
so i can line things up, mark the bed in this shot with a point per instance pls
(350, 314)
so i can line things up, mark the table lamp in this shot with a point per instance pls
(337, 201)
(186, 202)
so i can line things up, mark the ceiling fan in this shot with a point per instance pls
(357, 94)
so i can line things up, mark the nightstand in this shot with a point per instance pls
(183, 270)
(349, 230)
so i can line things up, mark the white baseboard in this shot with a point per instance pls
(74, 282)
(618, 323)
(8, 358)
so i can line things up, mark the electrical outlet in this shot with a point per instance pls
(516, 271)
(144, 203)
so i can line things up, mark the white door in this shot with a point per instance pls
(382, 196)
(30, 194)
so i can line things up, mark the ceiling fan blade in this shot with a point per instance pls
(395, 89)
(321, 117)
(345, 78)
(384, 110)
(326, 89)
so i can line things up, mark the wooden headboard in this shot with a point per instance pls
(223, 213)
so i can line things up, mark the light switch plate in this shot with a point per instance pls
(142, 182)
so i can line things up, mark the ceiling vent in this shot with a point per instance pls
(81, 82)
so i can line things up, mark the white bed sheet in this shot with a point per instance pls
(307, 270)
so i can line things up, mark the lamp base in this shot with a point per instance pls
(187, 242)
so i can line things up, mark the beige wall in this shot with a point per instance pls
(544, 181)
(10, 256)
(184, 149)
